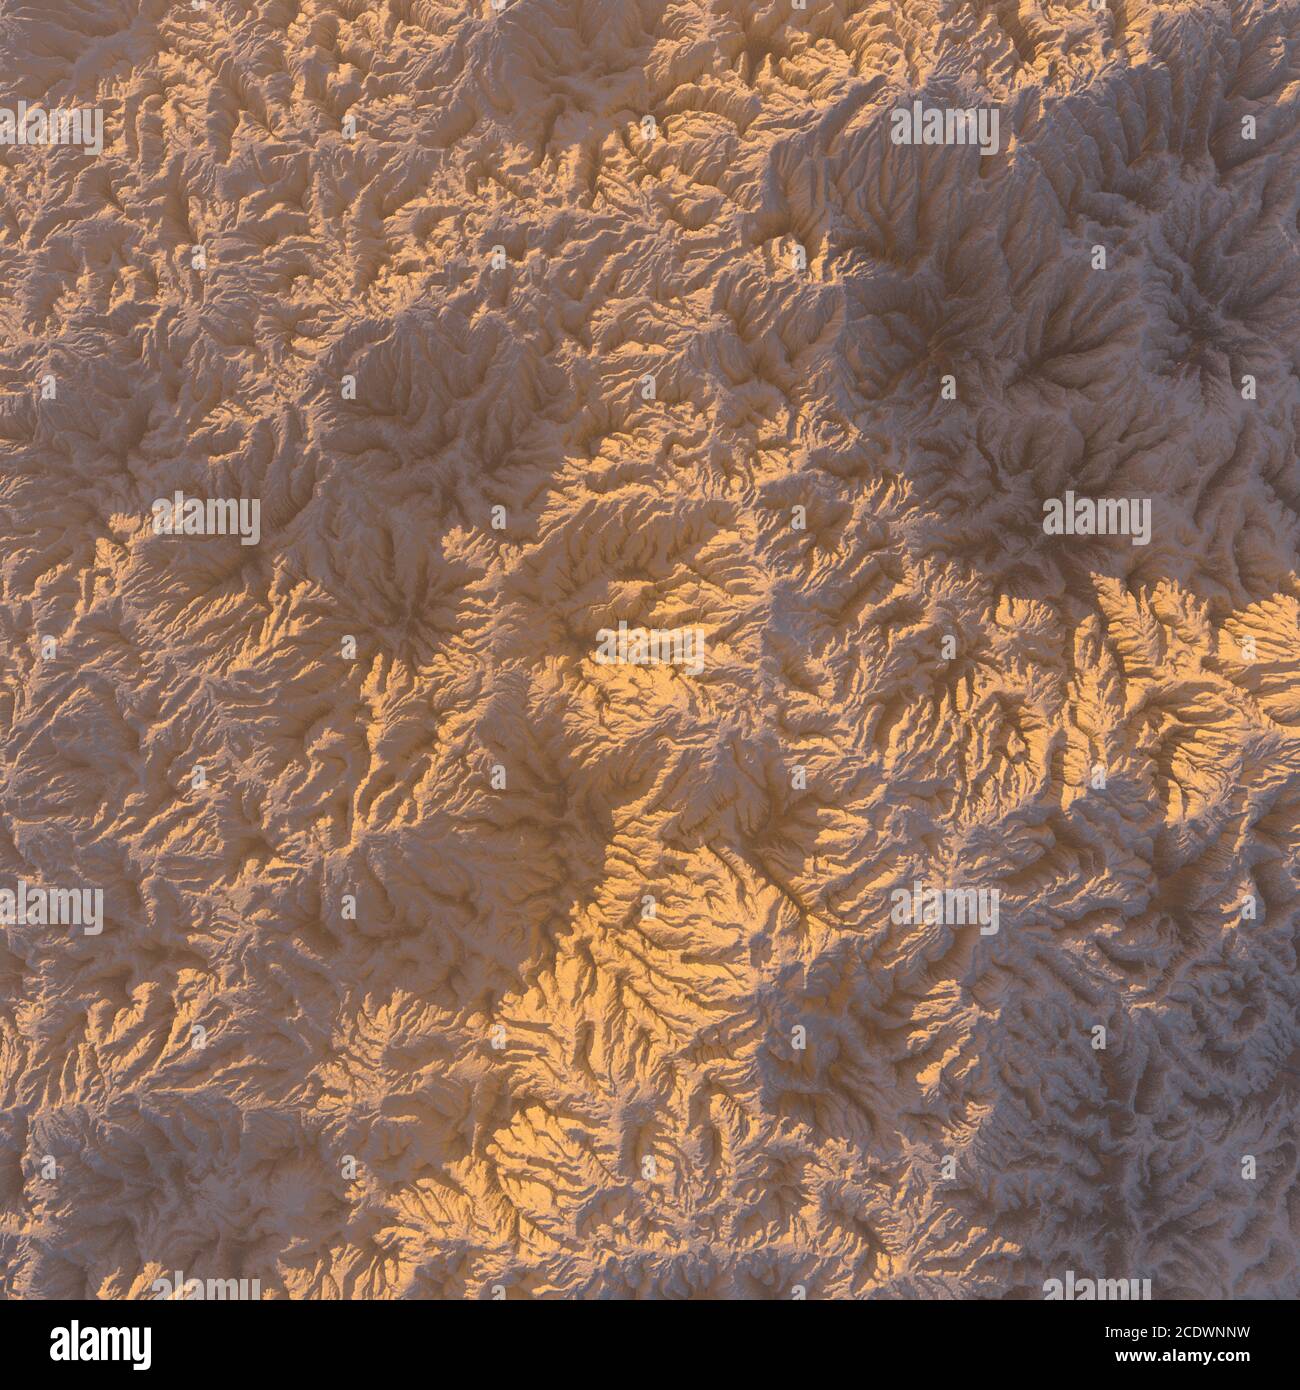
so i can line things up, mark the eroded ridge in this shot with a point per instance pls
(688, 783)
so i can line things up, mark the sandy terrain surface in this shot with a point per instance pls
(457, 942)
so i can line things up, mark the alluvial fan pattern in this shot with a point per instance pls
(469, 965)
